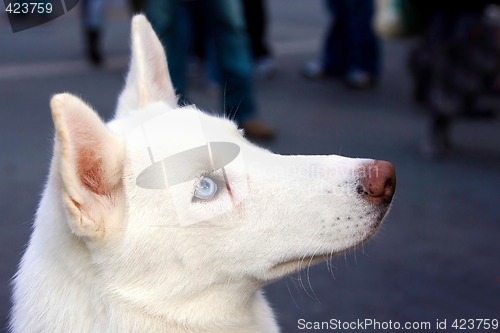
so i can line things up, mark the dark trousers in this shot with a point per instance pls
(225, 32)
(350, 43)
(256, 19)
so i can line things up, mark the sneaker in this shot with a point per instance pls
(313, 71)
(264, 68)
(257, 130)
(359, 80)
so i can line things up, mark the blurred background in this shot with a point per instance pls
(422, 103)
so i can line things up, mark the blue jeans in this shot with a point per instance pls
(350, 43)
(226, 31)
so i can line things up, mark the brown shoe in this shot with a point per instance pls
(257, 130)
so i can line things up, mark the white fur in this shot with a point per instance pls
(107, 255)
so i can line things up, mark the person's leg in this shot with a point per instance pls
(93, 16)
(197, 26)
(334, 55)
(363, 44)
(226, 26)
(164, 17)
(136, 6)
(256, 20)
(437, 140)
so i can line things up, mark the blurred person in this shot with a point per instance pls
(350, 50)
(93, 16)
(136, 6)
(453, 65)
(202, 60)
(256, 19)
(225, 32)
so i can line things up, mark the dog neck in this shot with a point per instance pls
(193, 307)
(210, 311)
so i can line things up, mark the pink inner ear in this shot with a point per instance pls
(90, 170)
(89, 160)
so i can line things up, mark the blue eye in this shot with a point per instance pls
(205, 189)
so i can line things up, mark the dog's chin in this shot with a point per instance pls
(294, 265)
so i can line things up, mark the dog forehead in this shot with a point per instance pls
(184, 123)
(157, 131)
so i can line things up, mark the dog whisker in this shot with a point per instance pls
(290, 293)
(309, 278)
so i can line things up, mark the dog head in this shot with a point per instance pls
(168, 199)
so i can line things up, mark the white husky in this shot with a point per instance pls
(168, 220)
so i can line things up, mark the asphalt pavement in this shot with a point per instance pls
(437, 256)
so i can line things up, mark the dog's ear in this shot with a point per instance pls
(89, 159)
(148, 79)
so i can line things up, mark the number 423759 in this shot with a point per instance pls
(473, 324)
(29, 8)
